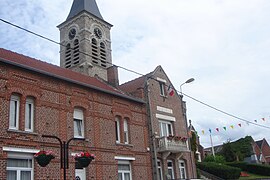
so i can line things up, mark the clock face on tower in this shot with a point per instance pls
(72, 33)
(98, 33)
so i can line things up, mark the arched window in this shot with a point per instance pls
(94, 51)
(126, 136)
(78, 119)
(103, 54)
(14, 111)
(68, 56)
(29, 114)
(117, 129)
(76, 53)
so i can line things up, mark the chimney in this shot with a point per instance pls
(112, 73)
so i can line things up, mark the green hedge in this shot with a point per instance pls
(252, 168)
(241, 165)
(259, 169)
(220, 170)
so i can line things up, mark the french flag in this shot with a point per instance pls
(170, 90)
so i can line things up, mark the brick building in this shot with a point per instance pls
(77, 100)
(134, 135)
(37, 99)
(170, 148)
(263, 151)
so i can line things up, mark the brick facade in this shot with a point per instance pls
(161, 107)
(55, 100)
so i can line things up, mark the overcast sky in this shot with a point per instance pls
(223, 44)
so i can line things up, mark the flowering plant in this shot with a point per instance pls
(44, 153)
(43, 158)
(84, 158)
(84, 155)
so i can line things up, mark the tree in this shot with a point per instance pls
(228, 152)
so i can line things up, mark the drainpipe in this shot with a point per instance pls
(151, 132)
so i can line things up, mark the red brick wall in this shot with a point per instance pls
(55, 101)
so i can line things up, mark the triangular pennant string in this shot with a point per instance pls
(224, 128)
(239, 124)
(202, 131)
(232, 126)
(217, 129)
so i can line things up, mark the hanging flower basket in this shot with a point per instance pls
(43, 158)
(84, 158)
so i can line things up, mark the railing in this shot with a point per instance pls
(171, 145)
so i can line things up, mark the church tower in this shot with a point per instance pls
(85, 39)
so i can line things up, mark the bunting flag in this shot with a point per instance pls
(202, 131)
(263, 119)
(224, 128)
(232, 126)
(210, 130)
(170, 90)
(255, 120)
(239, 125)
(217, 129)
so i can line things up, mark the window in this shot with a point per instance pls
(124, 170)
(14, 112)
(162, 88)
(68, 56)
(76, 52)
(159, 170)
(78, 123)
(117, 129)
(170, 169)
(29, 114)
(126, 131)
(94, 51)
(103, 54)
(19, 169)
(182, 169)
(165, 128)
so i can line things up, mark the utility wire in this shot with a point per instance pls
(135, 72)
(48, 39)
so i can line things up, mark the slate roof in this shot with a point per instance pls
(54, 71)
(84, 5)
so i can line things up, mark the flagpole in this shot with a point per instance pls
(213, 151)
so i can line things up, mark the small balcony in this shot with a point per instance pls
(173, 145)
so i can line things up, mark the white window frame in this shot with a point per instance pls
(162, 88)
(169, 127)
(117, 129)
(29, 114)
(170, 168)
(78, 117)
(182, 168)
(126, 137)
(21, 156)
(14, 112)
(123, 172)
(159, 166)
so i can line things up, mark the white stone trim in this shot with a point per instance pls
(161, 80)
(165, 117)
(20, 150)
(125, 158)
(163, 109)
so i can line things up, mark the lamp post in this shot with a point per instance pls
(187, 81)
(63, 151)
(185, 116)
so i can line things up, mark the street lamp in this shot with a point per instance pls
(185, 116)
(187, 81)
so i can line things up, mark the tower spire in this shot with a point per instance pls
(89, 6)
